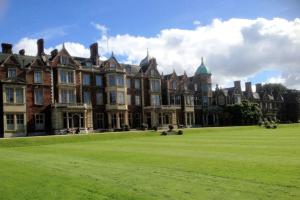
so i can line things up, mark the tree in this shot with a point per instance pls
(244, 113)
(275, 88)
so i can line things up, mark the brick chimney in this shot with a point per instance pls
(22, 52)
(40, 47)
(258, 87)
(94, 53)
(54, 53)
(6, 48)
(248, 86)
(237, 85)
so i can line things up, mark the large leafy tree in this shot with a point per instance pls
(275, 88)
(244, 113)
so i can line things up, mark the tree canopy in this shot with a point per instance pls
(244, 113)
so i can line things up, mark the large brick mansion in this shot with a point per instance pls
(45, 94)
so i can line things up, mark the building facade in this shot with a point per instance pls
(60, 93)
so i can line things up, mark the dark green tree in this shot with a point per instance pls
(246, 113)
(275, 88)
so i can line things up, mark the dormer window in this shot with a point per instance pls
(38, 77)
(112, 65)
(152, 72)
(11, 72)
(64, 60)
(89, 64)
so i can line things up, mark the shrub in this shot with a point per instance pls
(155, 128)
(144, 126)
(126, 127)
(171, 127)
(180, 132)
(164, 133)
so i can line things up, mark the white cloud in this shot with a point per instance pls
(102, 28)
(196, 22)
(233, 49)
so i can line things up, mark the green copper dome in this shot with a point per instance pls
(202, 69)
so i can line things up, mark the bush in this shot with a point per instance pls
(180, 132)
(155, 128)
(171, 127)
(126, 127)
(144, 126)
(164, 133)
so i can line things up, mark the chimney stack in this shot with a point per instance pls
(248, 86)
(258, 87)
(94, 53)
(22, 52)
(40, 47)
(6, 48)
(54, 53)
(237, 85)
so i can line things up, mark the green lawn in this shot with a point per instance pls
(209, 163)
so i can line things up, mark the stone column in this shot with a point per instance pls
(193, 118)
(162, 119)
(109, 120)
(68, 125)
(118, 120)
(85, 120)
(126, 118)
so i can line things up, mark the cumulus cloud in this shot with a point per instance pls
(233, 49)
(102, 28)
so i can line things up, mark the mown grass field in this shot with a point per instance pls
(209, 163)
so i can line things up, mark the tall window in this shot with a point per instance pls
(67, 96)
(20, 121)
(128, 83)
(137, 100)
(122, 119)
(86, 79)
(87, 97)
(155, 100)
(128, 99)
(19, 96)
(10, 122)
(66, 76)
(38, 96)
(155, 85)
(100, 120)
(9, 92)
(70, 77)
(189, 100)
(195, 87)
(11, 73)
(121, 98)
(112, 97)
(120, 80)
(39, 121)
(137, 84)
(174, 86)
(98, 80)
(99, 98)
(38, 77)
(111, 80)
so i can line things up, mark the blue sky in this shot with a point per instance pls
(74, 21)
